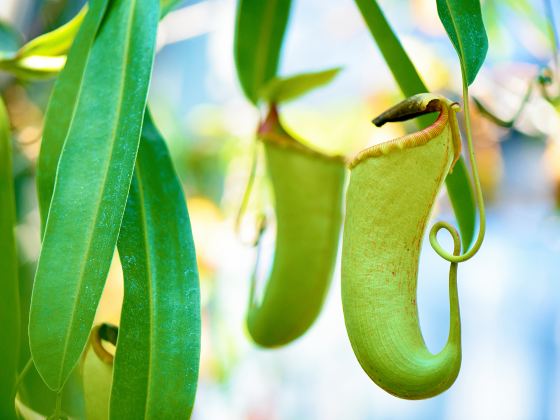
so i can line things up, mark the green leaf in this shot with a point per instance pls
(34, 67)
(44, 56)
(56, 42)
(158, 345)
(458, 184)
(9, 287)
(462, 20)
(259, 34)
(32, 391)
(92, 182)
(285, 89)
(63, 104)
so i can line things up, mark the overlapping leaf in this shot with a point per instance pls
(45, 55)
(259, 35)
(91, 187)
(156, 365)
(63, 104)
(9, 288)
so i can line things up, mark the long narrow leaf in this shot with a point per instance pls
(9, 288)
(156, 364)
(32, 391)
(93, 178)
(458, 184)
(280, 90)
(63, 105)
(259, 34)
(56, 42)
(462, 20)
(44, 56)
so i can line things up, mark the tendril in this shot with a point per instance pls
(104, 332)
(478, 193)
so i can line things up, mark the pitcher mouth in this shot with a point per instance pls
(410, 108)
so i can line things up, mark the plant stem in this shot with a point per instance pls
(478, 192)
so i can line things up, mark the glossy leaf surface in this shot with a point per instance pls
(457, 182)
(9, 288)
(259, 34)
(462, 20)
(32, 391)
(56, 42)
(158, 347)
(63, 104)
(279, 90)
(91, 187)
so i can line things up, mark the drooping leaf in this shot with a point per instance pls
(9, 288)
(259, 34)
(284, 89)
(458, 184)
(44, 56)
(158, 347)
(462, 20)
(56, 42)
(32, 391)
(91, 187)
(62, 106)
(34, 67)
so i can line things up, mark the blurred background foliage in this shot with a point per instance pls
(510, 295)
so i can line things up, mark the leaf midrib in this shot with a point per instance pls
(149, 278)
(52, 185)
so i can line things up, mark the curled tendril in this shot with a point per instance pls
(424, 104)
(478, 194)
(104, 332)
